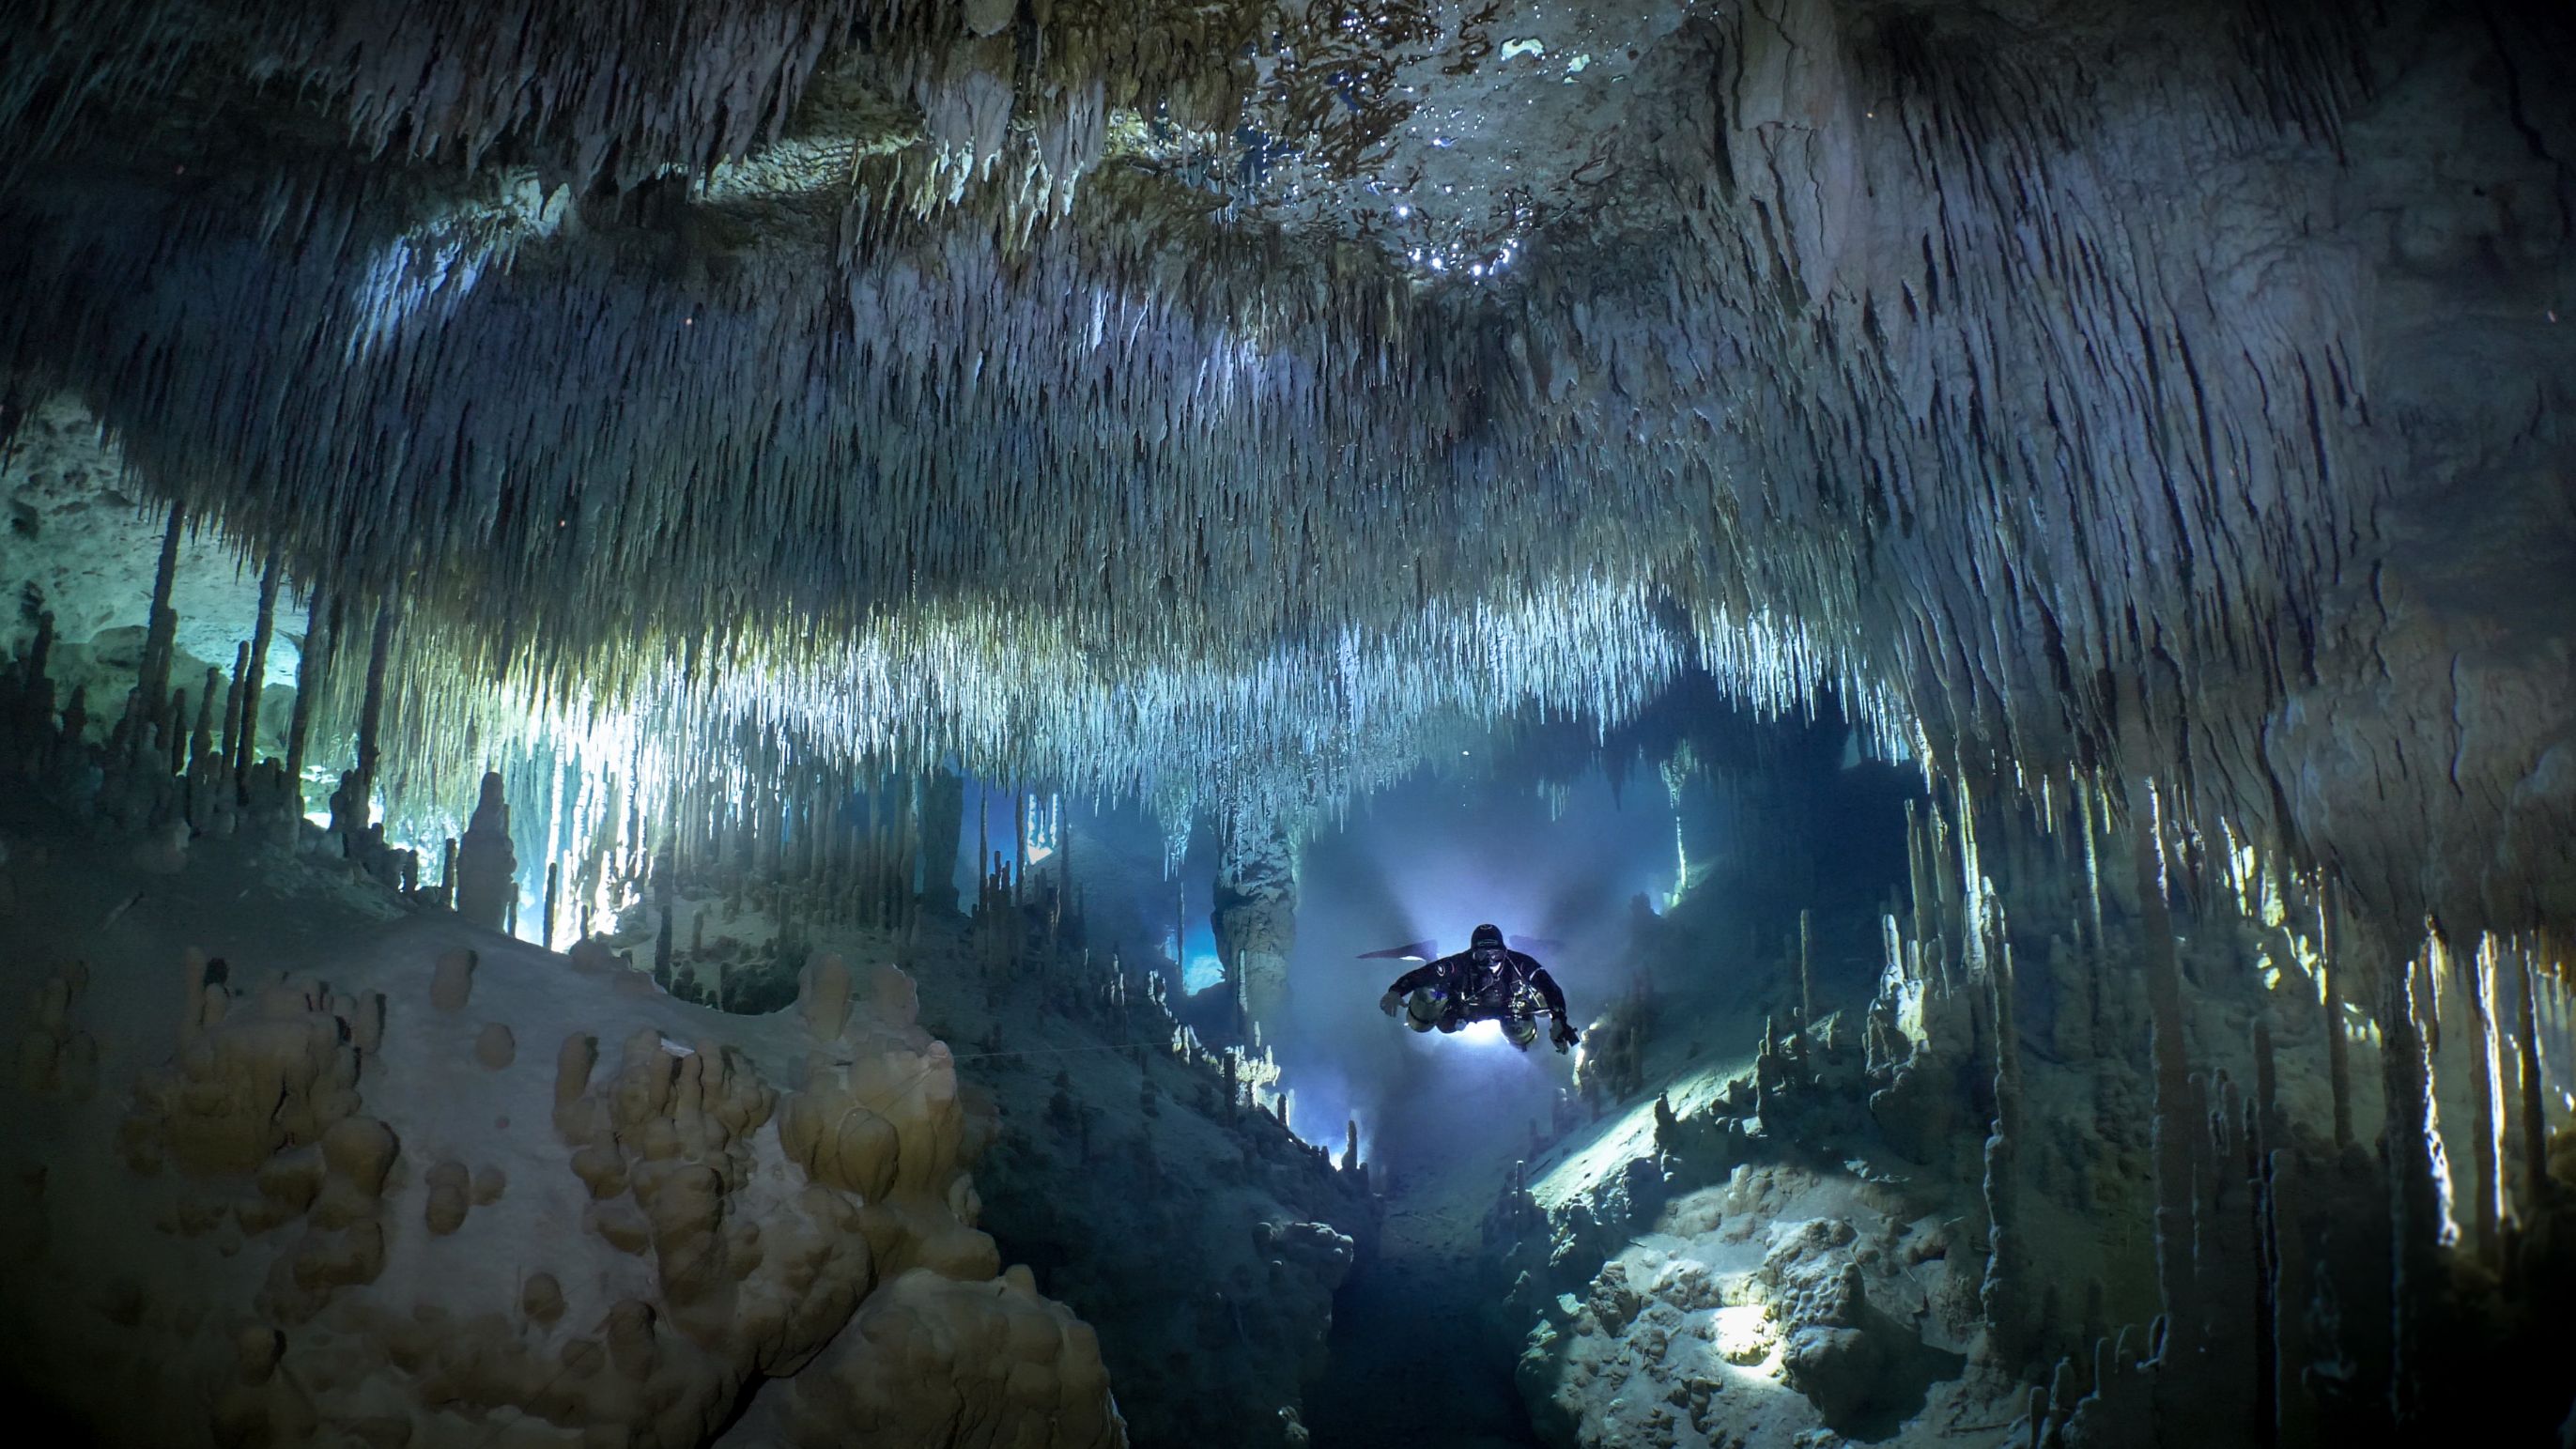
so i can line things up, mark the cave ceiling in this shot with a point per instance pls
(1238, 398)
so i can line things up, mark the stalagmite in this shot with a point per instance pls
(823, 994)
(2014, 1326)
(486, 866)
(251, 679)
(231, 726)
(661, 899)
(153, 673)
(554, 888)
(1806, 975)
(452, 984)
(201, 739)
(177, 740)
(1254, 920)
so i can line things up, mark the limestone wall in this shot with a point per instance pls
(430, 1186)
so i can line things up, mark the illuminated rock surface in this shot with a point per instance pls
(299, 1165)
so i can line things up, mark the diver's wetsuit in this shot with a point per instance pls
(1517, 986)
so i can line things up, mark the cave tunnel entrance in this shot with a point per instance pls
(1668, 905)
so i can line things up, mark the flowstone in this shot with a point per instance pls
(348, 1210)
(932, 1360)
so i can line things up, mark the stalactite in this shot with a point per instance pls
(2535, 1114)
(2088, 809)
(1347, 349)
(2484, 1126)
(906, 866)
(2337, 1040)
(1916, 875)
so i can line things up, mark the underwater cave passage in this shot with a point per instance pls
(1253, 726)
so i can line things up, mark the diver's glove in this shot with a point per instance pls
(1389, 1002)
(1564, 1034)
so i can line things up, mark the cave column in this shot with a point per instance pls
(1255, 919)
(251, 679)
(943, 834)
(2179, 1123)
(353, 808)
(2175, 1119)
(312, 666)
(2406, 1148)
(161, 630)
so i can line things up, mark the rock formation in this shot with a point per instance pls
(340, 1185)
(2107, 1270)
(1256, 918)
(486, 868)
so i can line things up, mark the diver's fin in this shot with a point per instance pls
(1409, 951)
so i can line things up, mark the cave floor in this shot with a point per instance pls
(1415, 1357)
(84, 897)
(1412, 1362)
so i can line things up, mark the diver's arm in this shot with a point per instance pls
(1548, 991)
(1426, 974)
(1563, 1033)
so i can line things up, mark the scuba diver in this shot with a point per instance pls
(1486, 982)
